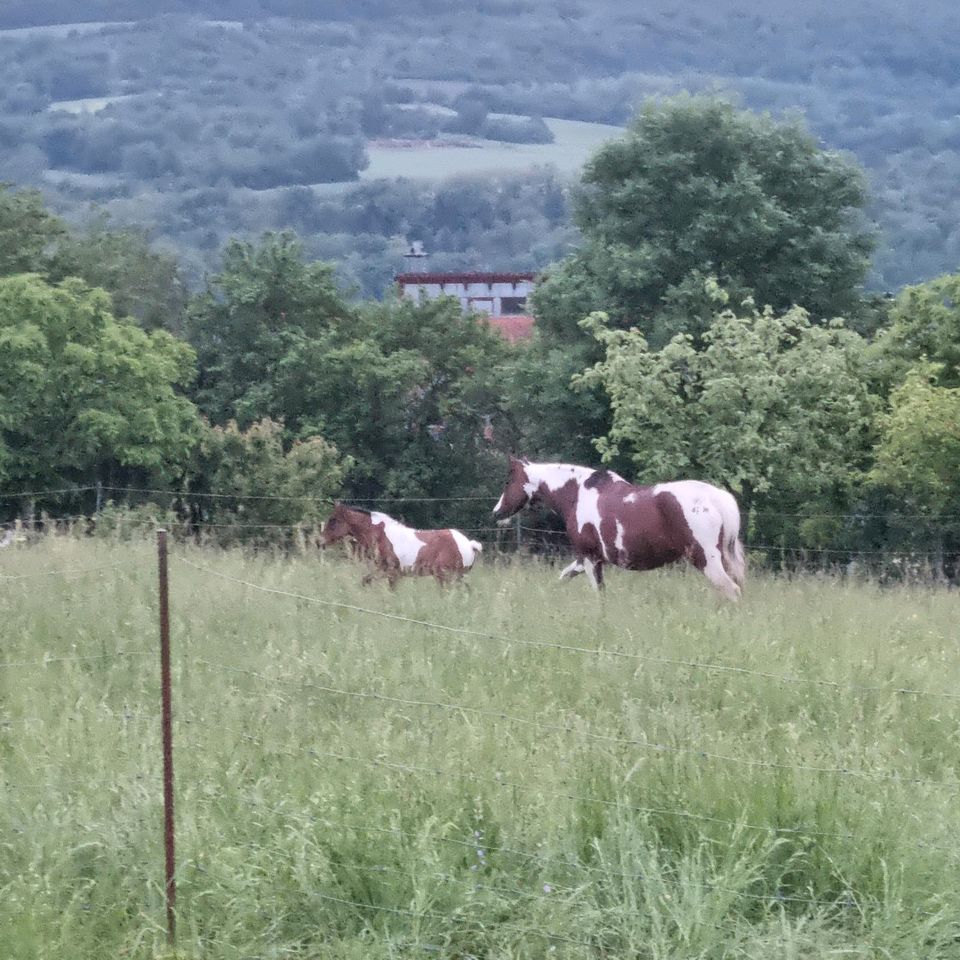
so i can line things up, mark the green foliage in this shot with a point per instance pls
(198, 106)
(264, 306)
(548, 420)
(924, 326)
(773, 406)
(145, 284)
(698, 187)
(404, 389)
(27, 229)
(82, 393)
(257, 479)
(918, 452)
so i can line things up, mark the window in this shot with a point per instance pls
(510, 306)
(480, 304)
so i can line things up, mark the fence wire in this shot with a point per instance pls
(570, 648)
(691, 750)
(556, 891)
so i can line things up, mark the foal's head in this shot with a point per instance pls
(518, 491)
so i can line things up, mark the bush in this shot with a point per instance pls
(517, 130)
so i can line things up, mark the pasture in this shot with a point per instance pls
(650, 775)
(575, 141)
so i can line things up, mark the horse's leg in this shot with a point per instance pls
(594, 572)
(714, 571)
(571, 571)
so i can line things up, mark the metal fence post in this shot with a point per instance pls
(166, 723)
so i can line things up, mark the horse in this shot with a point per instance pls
(609, 520)
(395, 549)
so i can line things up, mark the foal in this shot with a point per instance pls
(395, 549)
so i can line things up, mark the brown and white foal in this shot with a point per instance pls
(395, 549)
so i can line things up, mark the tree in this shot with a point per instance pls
(144, 284)
(83, 395)
(924, 326)
(772, 406)
(697, 188)
(27, 229)
(266, 303)
(239, 466)
(404, 390)
(918, 451)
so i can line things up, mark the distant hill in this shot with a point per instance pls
(171, 112)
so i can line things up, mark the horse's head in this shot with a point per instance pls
(338, 525)
(517, 491)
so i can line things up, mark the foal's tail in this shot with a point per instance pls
(731, 549)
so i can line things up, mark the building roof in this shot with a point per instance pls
(418, 279)
(514, 327)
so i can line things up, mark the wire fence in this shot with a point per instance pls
(893, 546)
(576, 876)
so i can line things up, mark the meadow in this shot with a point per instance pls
(650, 775)
(575, 141)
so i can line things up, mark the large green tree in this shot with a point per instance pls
(697, 188)
(918, 452)
(145, 283)
(770, 406)
(403, 390)
(83, 395)
(924, 327)
(27, 231)
(266, 304)
(256, 480)
(406, 391)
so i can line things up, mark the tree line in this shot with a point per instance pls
(207, 118)
(712, 323)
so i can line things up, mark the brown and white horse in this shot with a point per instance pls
(612, 521)
(395, 549)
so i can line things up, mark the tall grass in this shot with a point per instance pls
(353, 786)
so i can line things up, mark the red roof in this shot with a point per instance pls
(514, 327)
(418, 279)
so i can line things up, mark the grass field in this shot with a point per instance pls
(576, 778)
(575, 141)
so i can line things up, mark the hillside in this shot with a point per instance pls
(209, 119)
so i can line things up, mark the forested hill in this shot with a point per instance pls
(209, 118)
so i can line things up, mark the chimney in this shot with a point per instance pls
(416, 257)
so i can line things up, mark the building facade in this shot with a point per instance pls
(501, 296)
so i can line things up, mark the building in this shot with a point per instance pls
(501, 296)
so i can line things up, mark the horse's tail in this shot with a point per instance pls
(731, 549)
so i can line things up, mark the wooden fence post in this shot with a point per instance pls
(166, 724)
